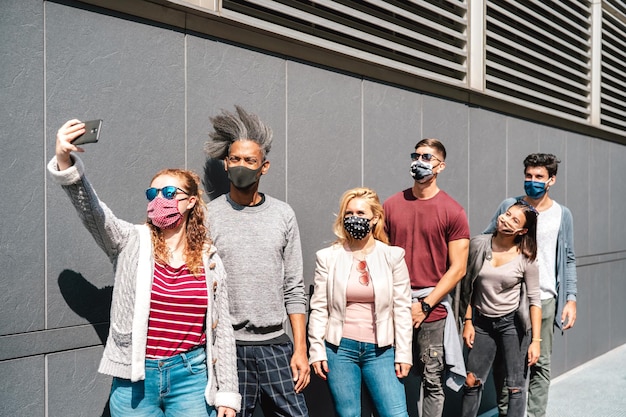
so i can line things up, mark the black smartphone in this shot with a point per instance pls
(92, 133)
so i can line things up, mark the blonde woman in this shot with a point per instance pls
(360, 327)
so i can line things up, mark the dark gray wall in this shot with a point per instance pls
(155, 87)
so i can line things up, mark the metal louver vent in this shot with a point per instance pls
(538, 55)
(612, 96)
(425, 38)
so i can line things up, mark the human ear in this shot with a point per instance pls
(265, 167)
(192, 202)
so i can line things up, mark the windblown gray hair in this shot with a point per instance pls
(229, 127)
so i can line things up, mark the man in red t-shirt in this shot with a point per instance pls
(433, 230)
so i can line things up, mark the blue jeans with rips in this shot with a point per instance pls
(506, 336)
(354, 362)
(174, 387)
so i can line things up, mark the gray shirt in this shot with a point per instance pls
(497, 289)
(260, 249)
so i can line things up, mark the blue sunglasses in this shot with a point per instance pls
(168, 192)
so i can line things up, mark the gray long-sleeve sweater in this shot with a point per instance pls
(260, 248)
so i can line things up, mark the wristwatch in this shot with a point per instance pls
(426, 308)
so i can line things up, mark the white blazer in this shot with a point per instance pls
(392, 299)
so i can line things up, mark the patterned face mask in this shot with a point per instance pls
(421, 171)
(164, 214)
(357, 227)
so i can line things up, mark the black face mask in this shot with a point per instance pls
(357, 227)
(243, 177)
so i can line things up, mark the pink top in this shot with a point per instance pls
(359, 324)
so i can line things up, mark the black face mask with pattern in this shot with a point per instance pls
(357, 227)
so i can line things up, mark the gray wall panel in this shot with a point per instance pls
(74, 375)
(599, 221)
(617, 311)
(437, 114)
(220, 75)
(617, 191)
(325, 151)
(21, 118)
(22, 387)
(576, 181)
(599, 298)
(487, 139)
(121, 81)
(387, 144)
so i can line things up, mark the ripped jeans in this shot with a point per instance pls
(506, 336)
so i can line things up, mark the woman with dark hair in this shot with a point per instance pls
(170, 348)
(360, 327)
(502, 280)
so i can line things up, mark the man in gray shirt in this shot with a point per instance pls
(258, 240)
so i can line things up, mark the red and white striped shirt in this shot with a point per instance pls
(178, 308)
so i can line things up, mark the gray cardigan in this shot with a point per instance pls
(129, 248)
(565, 257)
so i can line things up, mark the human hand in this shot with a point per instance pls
(534, 351)
(225, 412)
(402, 370)
(417, 314)
(469, 333)
(321, 369)
(300, 370)
(568, 317)
(65, 135)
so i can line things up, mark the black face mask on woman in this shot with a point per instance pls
(242, 177)
(357, 227)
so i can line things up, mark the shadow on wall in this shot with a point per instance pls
(215, 178)
(91, 303)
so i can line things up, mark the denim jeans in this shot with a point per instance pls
(539, 378)
(352, 362)
(504, 335)
(174, 387)
(429, 367)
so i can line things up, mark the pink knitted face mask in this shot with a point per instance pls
(164, 214)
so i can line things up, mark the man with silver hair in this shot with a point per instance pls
(258, 240)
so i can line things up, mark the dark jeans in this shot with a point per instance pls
(429, 367)
(506, 336)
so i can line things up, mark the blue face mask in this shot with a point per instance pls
(535, 189)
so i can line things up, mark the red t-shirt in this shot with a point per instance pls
(423, 229)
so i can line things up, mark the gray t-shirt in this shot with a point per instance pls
(497, 289)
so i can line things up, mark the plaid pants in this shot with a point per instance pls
(265, 375)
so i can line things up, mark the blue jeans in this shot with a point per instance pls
(352, 362)
(174, 387)
(504, 335)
